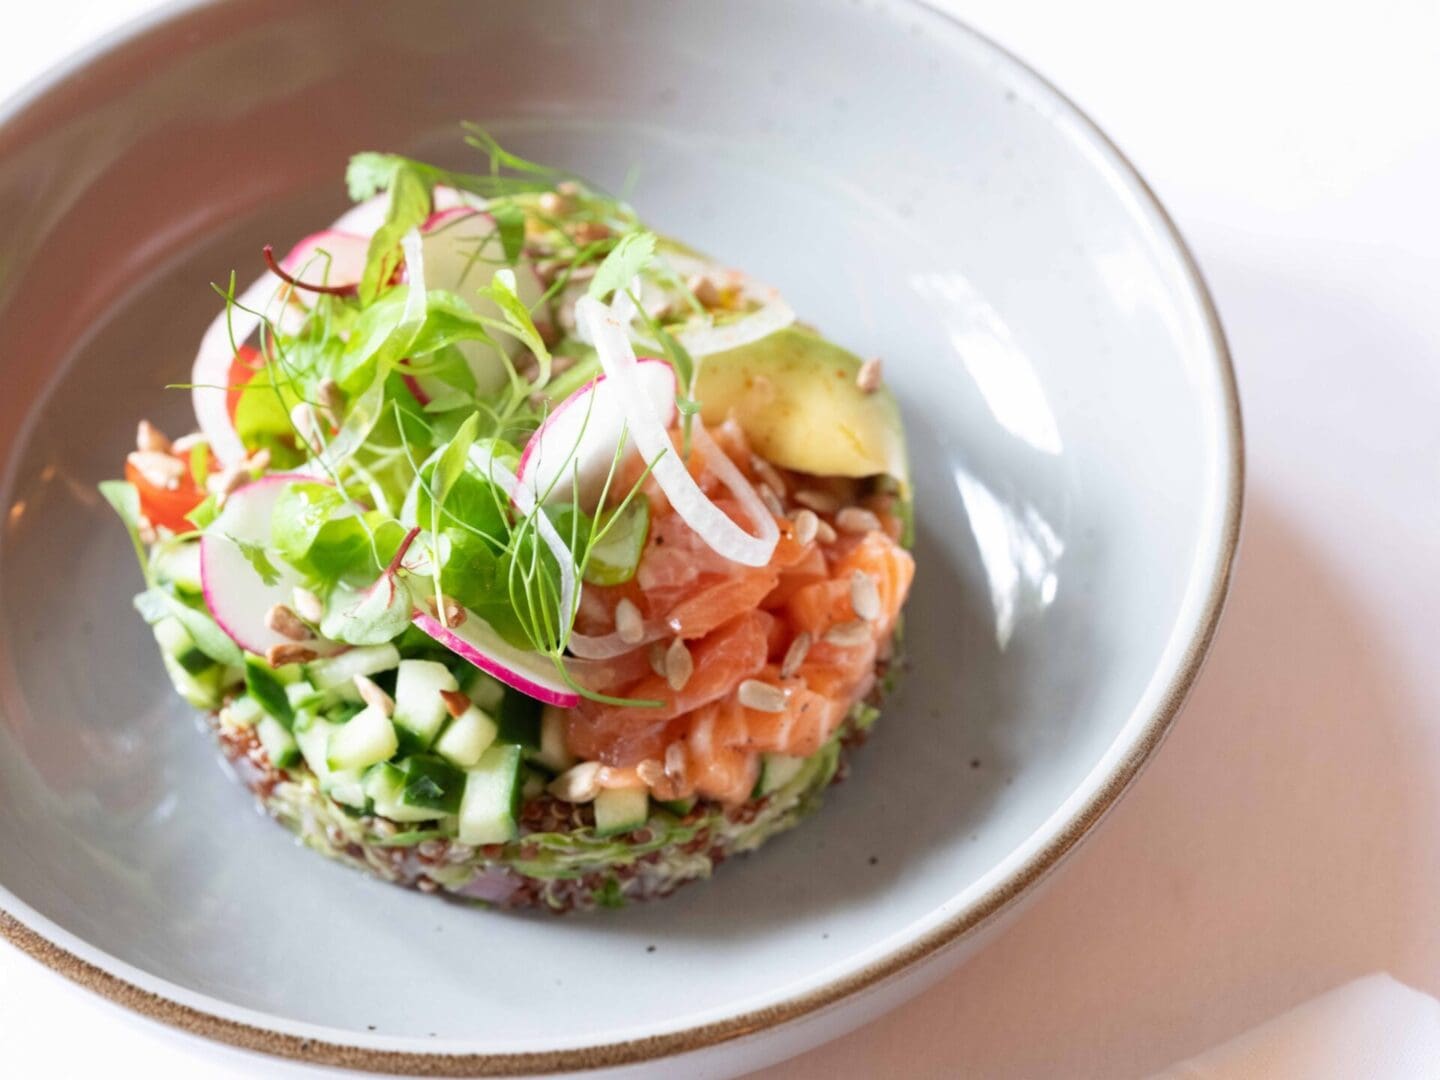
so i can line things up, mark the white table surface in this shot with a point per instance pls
(1288, 835)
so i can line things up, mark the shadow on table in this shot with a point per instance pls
(1246, 866)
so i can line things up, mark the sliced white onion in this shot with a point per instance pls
(771, 315)
(608, 646)
(210, 374)
(710, 523)
(774, 315)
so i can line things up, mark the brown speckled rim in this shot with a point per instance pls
(949, 933)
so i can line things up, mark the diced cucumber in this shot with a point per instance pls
(419, 708)
(175, 642)
(519, 718)
(202, 690)
(263, 685)
(491, 804)
(384, 785)
(433, 784)
(777, 770)
(194, 675)
(466, 737)
(366, 738)
(553, 753)
(680, 807)
(621, 810)
(347, 786)
(178, 565)
(280, 746)
(299, 693)
(314, 743)
(244, 711)
(336, 671)
(485, 690)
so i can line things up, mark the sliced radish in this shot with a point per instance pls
(347, 242)
(330, 258)
(580, 437)
(710, 523)
(367, 216)
(236, 593)
(477, 641)
(210, 374)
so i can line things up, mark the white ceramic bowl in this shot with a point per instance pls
(916, 192)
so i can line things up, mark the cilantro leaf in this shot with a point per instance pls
(409, 207)
(626, 259)
(370, 616)
(257, 558)
(124, 497)
(510, 221)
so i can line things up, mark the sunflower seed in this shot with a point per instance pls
(856, 519)
(302, 418)
(795, 655)
(372, 695)
(457, 703)
(580, 784)
(330, 395)
(822, 502)
(149, 437)
(307, 605)
(768, 473)
(868, 378)
(455, 614)
(703, 289)
(761, 696)
(650, 771)
(675, 761)
(825, 532)
(289, 652)
(556, 204)
(656, 657)
(286, 623)
(807, 525)
(848, 634)
(679, 665)
(865, 595)
(590, 232)
(629, 623)
(157, 469)
(771, 500)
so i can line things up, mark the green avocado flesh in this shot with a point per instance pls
(795, 396)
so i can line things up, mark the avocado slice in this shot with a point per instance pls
(794, 395)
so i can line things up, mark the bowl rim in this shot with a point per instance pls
(26, 928)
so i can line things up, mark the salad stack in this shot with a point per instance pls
(521, 553)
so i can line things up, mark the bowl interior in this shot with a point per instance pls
(916, 195)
